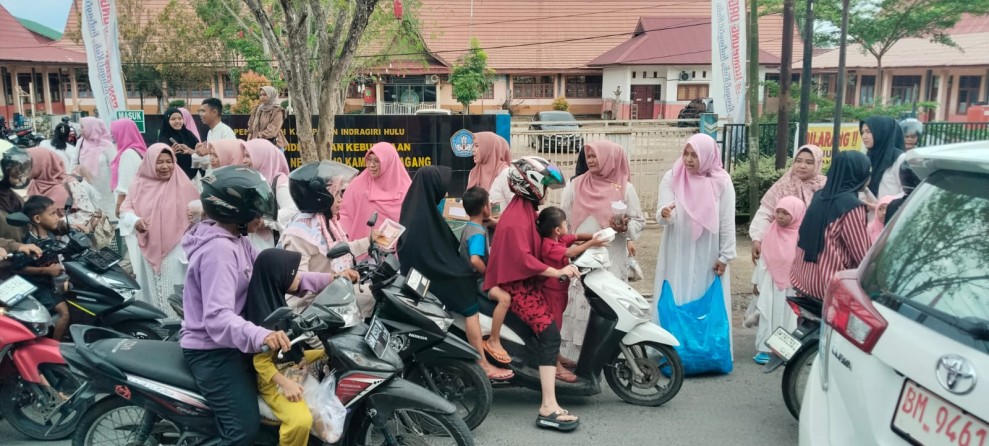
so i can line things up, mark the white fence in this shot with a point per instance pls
(651, 146)
(401, 108)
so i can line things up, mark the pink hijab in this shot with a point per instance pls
(367, 194)
(493, 155)
(95, 139)
(779, 245)
(789, 185)
(698, 193)
(189, 123)
(876, 225)
(163, 204)
(594, 191)
(127, 136)
(48, 176)
(229, 151)
(266, 158)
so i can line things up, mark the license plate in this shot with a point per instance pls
(928, 420)
(783, 344)
(377, 337)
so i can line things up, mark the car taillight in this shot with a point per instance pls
(850, 312)
(793, 306)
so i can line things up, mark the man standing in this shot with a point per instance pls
(210, 113)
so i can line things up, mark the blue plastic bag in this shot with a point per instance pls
(702, 328)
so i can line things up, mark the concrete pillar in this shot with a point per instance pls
(3, 90)
(379, 97)
(75, 90)
(942, 97)
(16, 89)
(47, 91)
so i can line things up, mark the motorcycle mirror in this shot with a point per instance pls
(18, 219)
(276, 317)
(339, 250)
(373, 220)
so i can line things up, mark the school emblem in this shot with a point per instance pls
(462, 143)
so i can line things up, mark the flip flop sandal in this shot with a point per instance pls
(552, 421)
(566, 376)
(568, 363)
(500, 356)
(507, 375)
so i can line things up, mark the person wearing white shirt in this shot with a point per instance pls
(210, 113)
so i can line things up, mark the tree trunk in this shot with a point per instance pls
(879, 82)
(786, 60)
(753, 150)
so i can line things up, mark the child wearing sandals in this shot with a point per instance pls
(558, 247)
(474, 245)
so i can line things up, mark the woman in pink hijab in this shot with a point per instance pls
(95, 153)
(264, 157)
(130, 151)
(226, 152)
(380, 188)
(587, 201)
(697, 212)
(878, 221)
(152, 221)
(492, 156)
(48, 176)
(771, 278)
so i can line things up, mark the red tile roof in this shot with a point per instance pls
(18, 44)
(668, 41)
(970, 24)
(914, 53)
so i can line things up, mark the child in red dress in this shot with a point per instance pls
(558, 247)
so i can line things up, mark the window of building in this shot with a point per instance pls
(54, 87)
(132, 91)
(489, 93)
(229, 87)
(867, 94)
(8, 89)
(657, 93)
(584, 86)
(689, 92)
(906, 89)
(533, 87)
(409, 94)
(82, 84)
(968, 92)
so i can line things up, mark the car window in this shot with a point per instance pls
(558, 117)
(934, 259)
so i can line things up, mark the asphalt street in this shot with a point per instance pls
(743, 408)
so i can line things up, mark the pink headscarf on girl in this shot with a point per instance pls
(96, 138)
(189, 123)
(163, 204)
(698, 193)
(790, 185)
(127, 136)
(876, 225)
(779, 245)
(47, 176)
(493, 155)
(594, 193)
(267, 159)
(229, 152)
(383, 194)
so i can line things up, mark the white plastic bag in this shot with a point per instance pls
(328, 413)
(634, 270)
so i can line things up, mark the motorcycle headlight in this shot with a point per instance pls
(443, 322)
(638, 308)
(350, 314)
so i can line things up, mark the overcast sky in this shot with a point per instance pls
(51, 13)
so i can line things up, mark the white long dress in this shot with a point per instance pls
(70, 156)
(686, 263)
(771, 306)
(287, 210)
(101, 182)
(130, 161)
(578, 310)
(500, 192)
(155, 287)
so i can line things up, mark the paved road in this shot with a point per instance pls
(744, 408)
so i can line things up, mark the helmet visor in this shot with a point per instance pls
(261, 201)
(336, 175)
(553, 178)
(16, 167)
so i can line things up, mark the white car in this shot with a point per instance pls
(904, 352)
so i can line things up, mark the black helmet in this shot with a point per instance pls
(237, 195)
(313, 185)
(908, 178)
(15, 166)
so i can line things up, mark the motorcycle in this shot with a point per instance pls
(22, 136)
(153, 396)
(796, 351)
(637, 356)
(419, 326)
(102, 292)
(34, 379)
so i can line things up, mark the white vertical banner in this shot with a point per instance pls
(99, 33)
(728, 55)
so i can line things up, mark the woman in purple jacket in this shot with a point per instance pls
(215, 336)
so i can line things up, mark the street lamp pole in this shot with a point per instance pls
(805, 77)
(840, 96)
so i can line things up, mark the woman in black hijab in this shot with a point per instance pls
(180, 139)
(581, 164)
(883, 139)
(833, 235)
(429, 246)
(273, 277)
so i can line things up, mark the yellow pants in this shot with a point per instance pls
(295, 417)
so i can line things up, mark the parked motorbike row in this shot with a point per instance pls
(23, 136)
(406, 372)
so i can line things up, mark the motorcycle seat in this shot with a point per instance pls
(160, 361)
(487, 307)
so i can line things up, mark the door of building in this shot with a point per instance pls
(642, 96)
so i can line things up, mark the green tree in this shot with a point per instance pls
(877, 25)
(183, 54)
(471, 77)
(247, 98)
(230, 23)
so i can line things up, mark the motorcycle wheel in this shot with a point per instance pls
(795, 377)
(460, 382)
(141, 330)
(414, 427)
(26, 413)
(662, 374)
(115, 421)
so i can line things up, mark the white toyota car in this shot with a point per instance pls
(904, 352)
